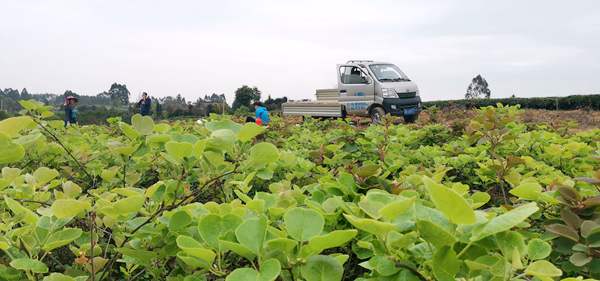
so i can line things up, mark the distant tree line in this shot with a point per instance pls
(591, 102)
(117, 101)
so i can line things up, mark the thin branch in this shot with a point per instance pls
(53, 136)
(194, 196)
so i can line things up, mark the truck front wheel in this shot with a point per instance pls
(410, 118)
(377, 114)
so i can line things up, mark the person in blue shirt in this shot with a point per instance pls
(145, 104)
(261, 113)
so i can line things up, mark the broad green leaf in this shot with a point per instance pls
(434, 234)
(179, 150)
(445, 264)
(11, 127)
(543, 269)
(527, 190)
(142, 256)
(580, 259)
(505, 221)
(269, 271)
(370, 226)
(564, 231)
(392, 210)
(251, 233)
(68, 208)
(223, 124)
(129, 131)
(454, 206)
(193, 248)
(249, 131)
(538, 249)
(21, 212)
(336, 238)
(9, 151)
(263, 153)
(243, 274)
(61, 238)
(303, 224)
(479, 199)
(59, 277)
(27, 264)
(44, 175)
(367, 170)
(129, 205)
(179, 220)
(212, 227)
(143, 124)
(322, 268)
(237, 248)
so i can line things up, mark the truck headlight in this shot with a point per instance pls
(388, 93)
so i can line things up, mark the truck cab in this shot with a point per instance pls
(365, 88)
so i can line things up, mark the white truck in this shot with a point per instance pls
(365, 88)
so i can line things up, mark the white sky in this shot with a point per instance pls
(290, 48)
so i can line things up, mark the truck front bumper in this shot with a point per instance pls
(400, 106)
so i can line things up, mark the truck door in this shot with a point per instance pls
(357, 90)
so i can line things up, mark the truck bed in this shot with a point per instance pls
(313, 108)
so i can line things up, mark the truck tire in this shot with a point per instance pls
(410, 118)
(377, 114)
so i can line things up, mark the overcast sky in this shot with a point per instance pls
(290, 48)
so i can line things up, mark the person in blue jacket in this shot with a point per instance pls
(70, 110)
(261, 113)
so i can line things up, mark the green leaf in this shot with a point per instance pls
(322, 268)
(263, 153)
(129, 131)
(9, 151)
(44, 175)
(239, 249)
(542, 269)
(249, 131)
(538, 249)
(11, 127)
(68, 208)
(303, 224)
(251, 233)
(505, 221)
(21, 212)
(59, 277)
(129, 205)
(434, 234)
(179, 150)
(27, 264)
(445, 264)
(61, 238)
(367, 170)
(454, 206)
(143, 124)
(179, 220)
(336, 238)
(269, 271)
(223, 124)
(392, 210)
(212, 227)
(479, 199)
(142, 256)
(370, 226)
(193, 248)
(527, 190)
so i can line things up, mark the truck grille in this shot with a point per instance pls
(407, 95)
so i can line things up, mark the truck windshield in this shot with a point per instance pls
(388, 73)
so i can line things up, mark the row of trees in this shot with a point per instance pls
(116, 102)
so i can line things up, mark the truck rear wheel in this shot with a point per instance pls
(377, 114)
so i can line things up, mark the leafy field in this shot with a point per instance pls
(494, 199)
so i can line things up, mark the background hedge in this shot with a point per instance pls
(551, 103)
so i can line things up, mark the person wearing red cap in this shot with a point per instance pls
(70, 110)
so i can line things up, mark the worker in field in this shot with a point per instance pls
(144, 104)
(261, 113)
(70, 110)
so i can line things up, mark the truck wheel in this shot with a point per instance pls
(410, 118)
(377, 114)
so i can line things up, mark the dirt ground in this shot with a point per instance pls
(573, 119)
